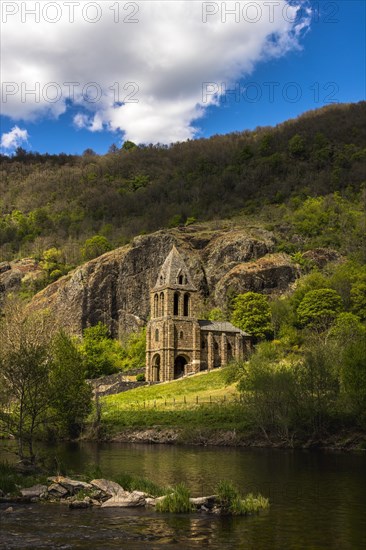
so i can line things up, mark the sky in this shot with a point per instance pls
(82, 74)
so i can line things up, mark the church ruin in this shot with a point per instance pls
(177, 343)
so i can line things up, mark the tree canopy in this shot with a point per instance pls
(252, 313)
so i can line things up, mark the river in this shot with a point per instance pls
(318, 501)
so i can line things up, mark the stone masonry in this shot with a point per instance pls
(177, 343)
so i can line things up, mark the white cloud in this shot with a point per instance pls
(147, 75)
(14, 138)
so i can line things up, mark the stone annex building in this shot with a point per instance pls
(177, 343)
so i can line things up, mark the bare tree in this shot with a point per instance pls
(25, 365)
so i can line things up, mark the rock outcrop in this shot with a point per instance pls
(114, 288)
(12, 274)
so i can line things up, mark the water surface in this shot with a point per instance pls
(318, 500)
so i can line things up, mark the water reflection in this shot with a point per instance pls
(318, 500)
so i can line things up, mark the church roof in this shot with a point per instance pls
(174, 273)
(220, 326)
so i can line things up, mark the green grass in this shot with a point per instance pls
(177, 501)
(133, 483)
(202, 385)
(231, 502)
(152, 406)
(11, 480)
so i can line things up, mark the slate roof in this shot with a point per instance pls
(172, 268)
(220, 326)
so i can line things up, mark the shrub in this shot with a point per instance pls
(176, 502)
(140, 378)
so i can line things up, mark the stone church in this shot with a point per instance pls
(177, 343)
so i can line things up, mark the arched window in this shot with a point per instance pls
(176, 304)
(156, 335)
(162, 304)
(186, 305)
(203, 344)
(156, 305)
(181, 335)
(180, 279)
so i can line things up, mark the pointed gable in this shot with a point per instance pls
(174, 273)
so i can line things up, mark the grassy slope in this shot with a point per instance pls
(154, 406)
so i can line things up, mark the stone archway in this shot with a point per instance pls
(156, 368)
(179, 366)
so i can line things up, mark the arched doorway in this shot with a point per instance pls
(156, 368)
(179, 366)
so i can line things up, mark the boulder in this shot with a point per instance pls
(320, 257)
(58, 491)
(80, 504)
(34, 492)
(124, 499)
(206, 502)
(273, 274)
(109, 488)
(71, 485)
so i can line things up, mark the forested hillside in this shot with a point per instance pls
(79, 207)
(271, 224)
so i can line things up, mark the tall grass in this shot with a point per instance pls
(231, 502)
(11, 480)
(176, 502)
(133, 483)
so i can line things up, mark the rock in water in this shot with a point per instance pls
(34, 492)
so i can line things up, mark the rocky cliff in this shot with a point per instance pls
(114, 288)
(12, 274)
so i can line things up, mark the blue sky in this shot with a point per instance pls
(179, 71)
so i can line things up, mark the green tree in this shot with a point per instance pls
(312, 281)
(268, 391)
(358, 299)
(42, 385)
(251, 313)
(319, 308)
(128, 145)
(52, 264)
(95, 246)
(353, 378)
(347, 328)
(72, 394)
(349, 335)
(134, 351)
(282, 314)
(297, 147)
(318, 382)
(102, 355)
(216, 314)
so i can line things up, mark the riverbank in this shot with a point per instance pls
(343, 441)
(202, 410)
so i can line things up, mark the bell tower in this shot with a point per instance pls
(173, 332)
